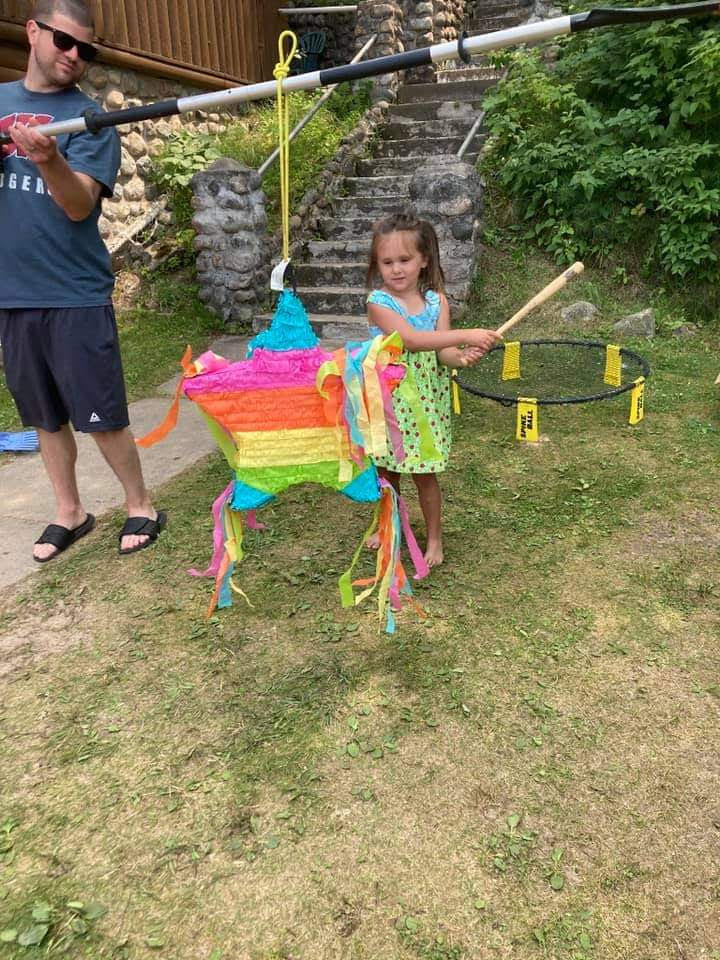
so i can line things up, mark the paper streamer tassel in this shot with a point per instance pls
(527, 419)
(637, 401)
(613, 372)
(511, 361)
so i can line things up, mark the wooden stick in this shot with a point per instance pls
(550, 290)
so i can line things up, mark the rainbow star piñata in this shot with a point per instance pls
(295, 413)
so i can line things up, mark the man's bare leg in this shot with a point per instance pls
(59, 453)
(118, 448)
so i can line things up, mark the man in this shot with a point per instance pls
(57, 325)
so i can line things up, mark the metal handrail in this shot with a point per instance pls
(314, 109)
(348, 8)
(471, 136)
(476, 126)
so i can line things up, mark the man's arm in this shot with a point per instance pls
(75, 193)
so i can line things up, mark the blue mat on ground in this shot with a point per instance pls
(26, 440)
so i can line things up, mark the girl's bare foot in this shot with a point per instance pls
(434, 554)
(373, 541)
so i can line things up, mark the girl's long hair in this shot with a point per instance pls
(426, 243)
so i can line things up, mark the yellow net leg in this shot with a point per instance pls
(637, 401)
(455, 393)
(511, 361)
(613, 371)
(527, 420)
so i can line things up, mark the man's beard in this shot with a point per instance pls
(55, 76)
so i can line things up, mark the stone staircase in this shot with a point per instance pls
(428, 119)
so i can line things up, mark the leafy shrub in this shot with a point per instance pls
(616, 145)
(182, 156)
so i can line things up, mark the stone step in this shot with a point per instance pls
(462, 74)
(388, 167)
(348, 207)
(377, 186)
(329, 327)
(342, 229)
(424, 92)
(339, 301)
(331, 273)
(422, 129)
(503, 22)
(495, 9)
(339, 251)
(439, 109)
(422, 147)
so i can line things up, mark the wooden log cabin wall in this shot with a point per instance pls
(207, 43)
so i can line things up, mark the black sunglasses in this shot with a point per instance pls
(65, 41)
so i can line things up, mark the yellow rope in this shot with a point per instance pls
(282, 69)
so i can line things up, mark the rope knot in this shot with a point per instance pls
(282, 67)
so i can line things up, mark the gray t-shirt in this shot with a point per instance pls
(46, 259)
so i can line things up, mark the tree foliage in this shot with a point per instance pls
(616, 144)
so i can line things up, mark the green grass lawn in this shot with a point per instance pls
(530, 771)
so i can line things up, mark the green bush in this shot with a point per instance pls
(616, 145)
(182, 156)
(251, 139)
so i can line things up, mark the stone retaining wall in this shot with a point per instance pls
(386, 18)
(407, 25)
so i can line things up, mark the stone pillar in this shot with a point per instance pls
(419, 33)
(384, 18)
(449, 19)
(233, 262)
(448, 192)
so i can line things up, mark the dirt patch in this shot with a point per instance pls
(659, 536)
(38, 637)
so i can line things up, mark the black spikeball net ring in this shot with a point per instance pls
(553, 372)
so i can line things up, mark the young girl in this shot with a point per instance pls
(410, 300)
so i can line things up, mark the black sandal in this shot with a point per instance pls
(61, 537)
(142, 527)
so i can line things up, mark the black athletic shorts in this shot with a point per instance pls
(64, 365)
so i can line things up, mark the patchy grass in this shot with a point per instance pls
(529, 772)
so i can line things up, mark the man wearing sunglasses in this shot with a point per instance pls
(57, 325)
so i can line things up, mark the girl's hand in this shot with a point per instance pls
(481, 339)
(469, 356)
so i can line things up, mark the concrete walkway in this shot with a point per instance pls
(26, 499)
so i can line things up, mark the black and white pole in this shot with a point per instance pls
(462, 49)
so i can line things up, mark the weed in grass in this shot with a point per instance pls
(52, 928)
(424, 947)
(566, 935)
(511, 848)
(554, 873)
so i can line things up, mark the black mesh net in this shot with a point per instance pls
(554, 371)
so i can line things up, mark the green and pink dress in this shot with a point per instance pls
(432, 381)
